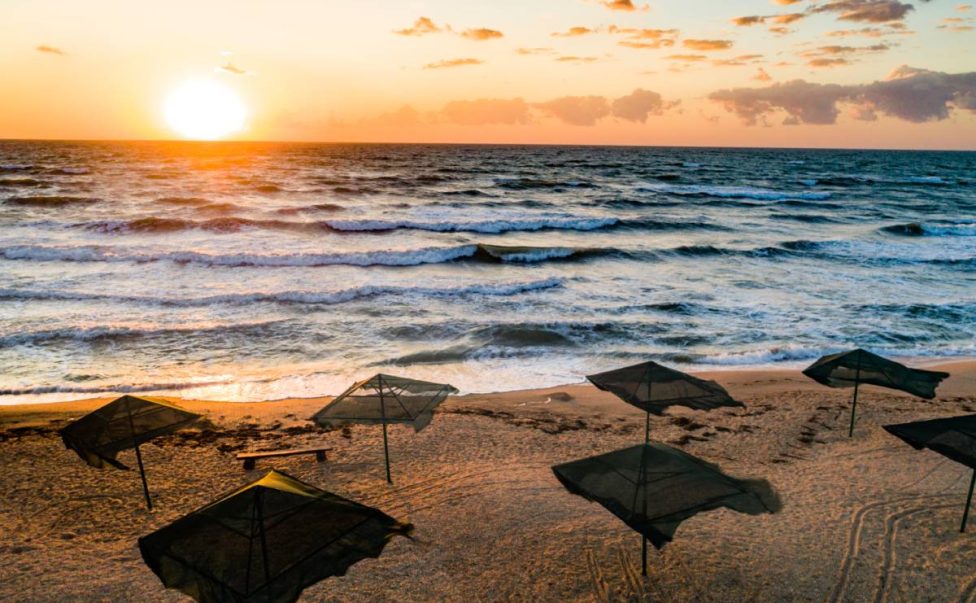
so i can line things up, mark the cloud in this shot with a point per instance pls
(663, 43)
(421, 27)
(637, 105)
(892, 29)
(707, 45)
(957, 24)
(908, 94)
(837, 55)
(49, 49)
(574, 32)
(873, 11)
(481, 34)
(828, 62)
(575, 59)
(533, 51)
(453, 63)
(487, 111)
(786, 19)
(749, 20)
(688, 58)
(624, 5)
(577, 110)
(739, 61)
(762, 76)
(645, 37)
(229, 67)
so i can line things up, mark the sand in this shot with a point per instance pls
(864, 519)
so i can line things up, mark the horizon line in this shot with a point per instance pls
(484, 144)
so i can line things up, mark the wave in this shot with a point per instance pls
(153, 224)
(284, 297)
(485, 227)
(520, 184)
(866, 179)
(734, 192)
(117, 333)
(119, 388)
(15, 167)
(916, 229)
(50, 201)
(20, 183)
(391, 257)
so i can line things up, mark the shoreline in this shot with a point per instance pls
(716, 373)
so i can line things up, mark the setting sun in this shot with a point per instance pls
(204, 110)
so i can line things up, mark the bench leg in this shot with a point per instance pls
(320, 455)
(248, 464)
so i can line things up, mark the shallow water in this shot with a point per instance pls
(253, 271)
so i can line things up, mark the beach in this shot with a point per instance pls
(863, 519)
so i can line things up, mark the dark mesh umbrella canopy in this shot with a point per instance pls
(653, 488)
(386, 399)
(653, 388)
(846, 369)
(124, 423)
(266, 542)
(953, 437)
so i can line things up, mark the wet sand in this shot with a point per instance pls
(864, 519)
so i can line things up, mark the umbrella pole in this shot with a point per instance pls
(969, 499)
(857, 382)
(386, 444)
(647, 428)
(644, 556)
(386, 453)
(142, 469)
(142, 473)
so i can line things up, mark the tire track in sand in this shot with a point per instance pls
(854, 539)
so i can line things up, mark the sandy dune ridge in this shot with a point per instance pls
(864, 519)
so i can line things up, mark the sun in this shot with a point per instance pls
(204, 109)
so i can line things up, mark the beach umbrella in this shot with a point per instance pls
(266, 542)
(653, 488)
(952, 437)
(386, 399)
(124, 423)
(653, 388)
(851, 369)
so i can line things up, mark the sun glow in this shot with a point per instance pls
(204, 109)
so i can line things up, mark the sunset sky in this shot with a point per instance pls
(819, 73)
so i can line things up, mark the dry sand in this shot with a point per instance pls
(864, 519)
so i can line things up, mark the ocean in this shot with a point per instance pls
(246, 271)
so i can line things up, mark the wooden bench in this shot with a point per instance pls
(250, 458)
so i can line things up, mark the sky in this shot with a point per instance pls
(794, 73)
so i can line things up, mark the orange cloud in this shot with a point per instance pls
(787, 18)
(481, 33)
(624, 5)
(762, 76)
(707, 45)
(749, 20)
(533, 51)
(49, 49)
(827, 63)
(421, 27)
(574, 32)
(686, 57)
(575, 59)
(453, 63)
(577, 110)
(665, 43)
